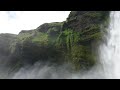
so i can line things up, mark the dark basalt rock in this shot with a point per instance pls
(79, 20)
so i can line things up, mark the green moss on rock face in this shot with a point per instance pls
(34, 45)
(82, 57)
(79, 55)
(80, 31)
(41, 39)
(23, 35)
(71, 41)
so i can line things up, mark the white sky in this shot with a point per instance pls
(15, 21)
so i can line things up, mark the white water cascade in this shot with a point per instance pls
(110, 52)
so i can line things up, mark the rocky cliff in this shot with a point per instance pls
(73, 41)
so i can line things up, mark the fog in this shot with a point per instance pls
(48, 71)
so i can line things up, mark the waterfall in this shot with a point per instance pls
(110, 52)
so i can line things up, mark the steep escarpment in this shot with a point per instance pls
(82, 32)
(73, 41)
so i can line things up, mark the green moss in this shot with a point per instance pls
(41, 38)
(60, 41)
(77, 44)
(82, 57)
(79, 55)
(23, 36)
(69, 38)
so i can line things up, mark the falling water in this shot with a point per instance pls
(110, 52)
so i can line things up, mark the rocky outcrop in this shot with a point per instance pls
(81, 33)
(82, 20)
(71, 41)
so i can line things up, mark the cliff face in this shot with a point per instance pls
(69, 41)
(82, 20)
(81, 35)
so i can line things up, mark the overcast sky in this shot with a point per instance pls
(15, 21)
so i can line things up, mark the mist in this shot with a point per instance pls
(47, 70)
